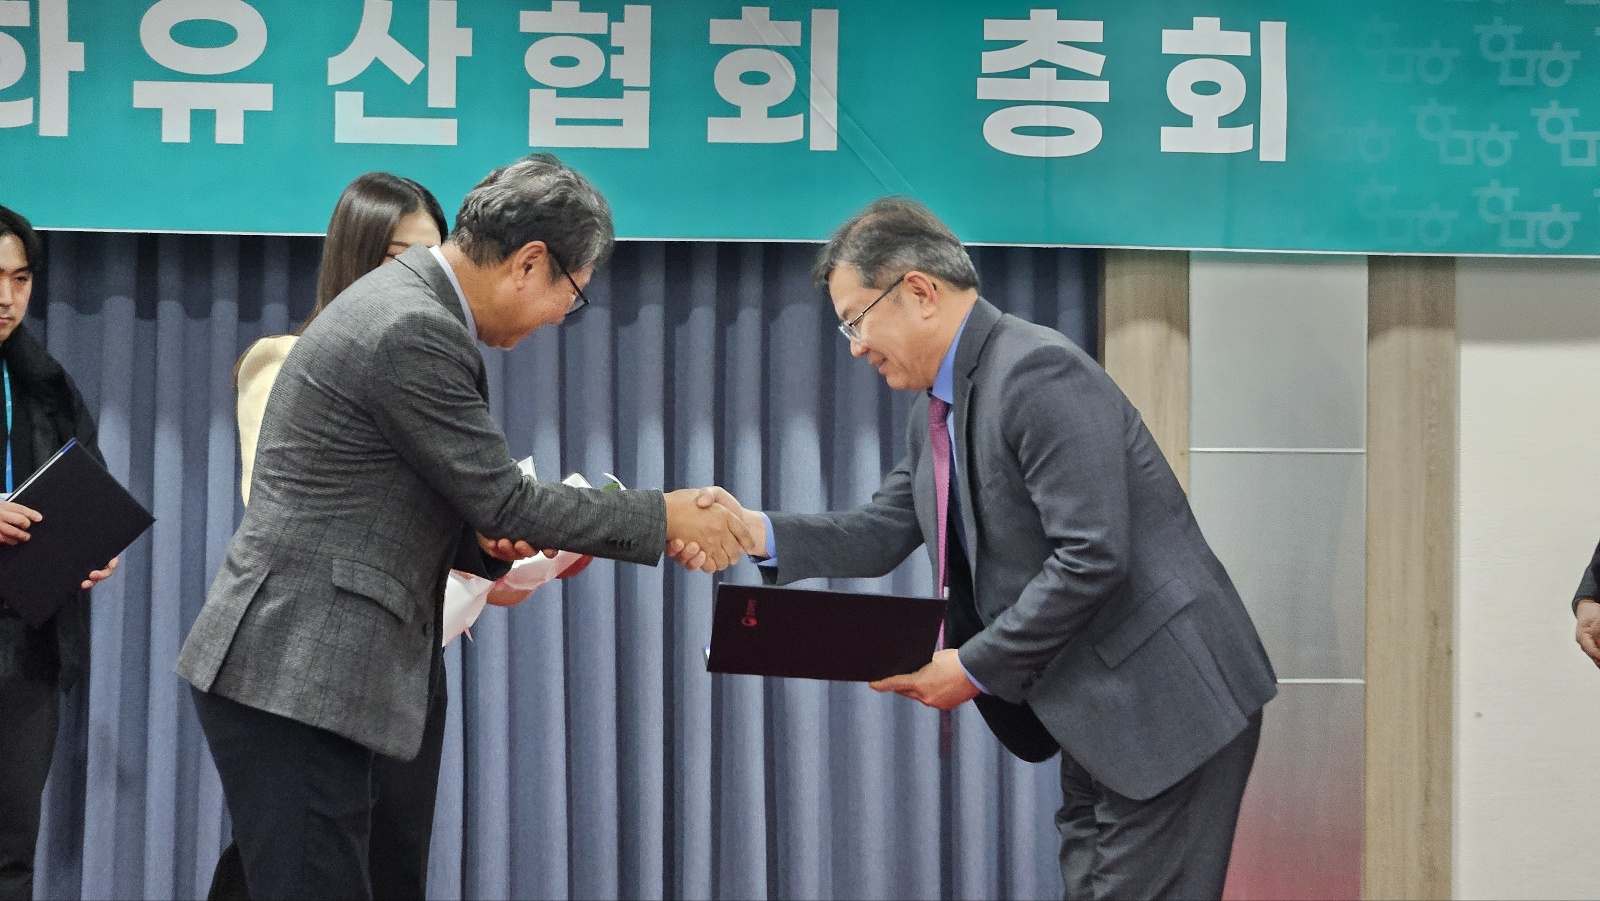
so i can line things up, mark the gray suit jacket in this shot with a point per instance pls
(1103, 607)
(376, 450)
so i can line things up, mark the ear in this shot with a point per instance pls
(925, 291)
(526, 260)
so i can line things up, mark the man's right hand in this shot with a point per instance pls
(690, 555)
(717, 533)
(15, 520)
(1589, 629)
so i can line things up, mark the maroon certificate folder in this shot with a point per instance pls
(764, 631)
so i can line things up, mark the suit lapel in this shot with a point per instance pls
(974, 338)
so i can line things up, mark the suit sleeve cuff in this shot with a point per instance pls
(979, 656)
(771, 559)
(965, 672)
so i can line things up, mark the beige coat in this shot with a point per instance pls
(258, 369)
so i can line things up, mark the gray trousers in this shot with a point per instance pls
(1175, 845)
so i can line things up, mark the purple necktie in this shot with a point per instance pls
(939, 437)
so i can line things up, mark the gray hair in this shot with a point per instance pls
(536, 198)
(891, 237)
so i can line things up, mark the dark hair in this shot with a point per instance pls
(891, 237)
(358, 233)
(13, 223)
(536, 198)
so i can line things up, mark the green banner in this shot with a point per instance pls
(1433, 126)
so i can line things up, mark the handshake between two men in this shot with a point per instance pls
(747, 527)
(707, 531)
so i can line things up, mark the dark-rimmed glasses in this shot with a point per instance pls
(849, 329)
(579, 301)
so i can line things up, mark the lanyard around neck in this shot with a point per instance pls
(5, 375)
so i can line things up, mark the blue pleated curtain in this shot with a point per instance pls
(588, 753)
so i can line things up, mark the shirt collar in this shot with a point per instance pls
(944, 384)
(461, 296)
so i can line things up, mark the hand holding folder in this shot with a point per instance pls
(800, 633)
(16, 520)
(85, 519)
(941, 684)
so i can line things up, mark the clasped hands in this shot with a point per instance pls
(707, 531)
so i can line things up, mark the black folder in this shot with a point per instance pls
(764, 631)
(88, 519)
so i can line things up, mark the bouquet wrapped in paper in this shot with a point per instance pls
(465, 595)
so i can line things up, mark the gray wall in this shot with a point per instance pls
(1278, 481)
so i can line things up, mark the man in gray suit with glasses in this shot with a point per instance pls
(1087, 615)
(320, 635)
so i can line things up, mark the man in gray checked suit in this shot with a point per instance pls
(1087, 614)
(319, 637)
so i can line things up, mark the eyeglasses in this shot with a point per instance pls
(849, 329)
(579, 301)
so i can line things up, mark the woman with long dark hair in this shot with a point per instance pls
(377, 218)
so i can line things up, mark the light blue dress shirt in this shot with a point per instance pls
(944, 388)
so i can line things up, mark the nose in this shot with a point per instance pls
(857, 348)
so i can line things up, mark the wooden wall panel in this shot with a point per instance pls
(1412, 403)
(1145, 342)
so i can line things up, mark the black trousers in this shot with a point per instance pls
(29, 714)
(315, 814)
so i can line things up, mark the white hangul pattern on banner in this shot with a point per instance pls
(558, 120)
(178, 100)
(58, 56)
(754, 31)
(1208, 43)
(447, 43)
(1043, 38)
